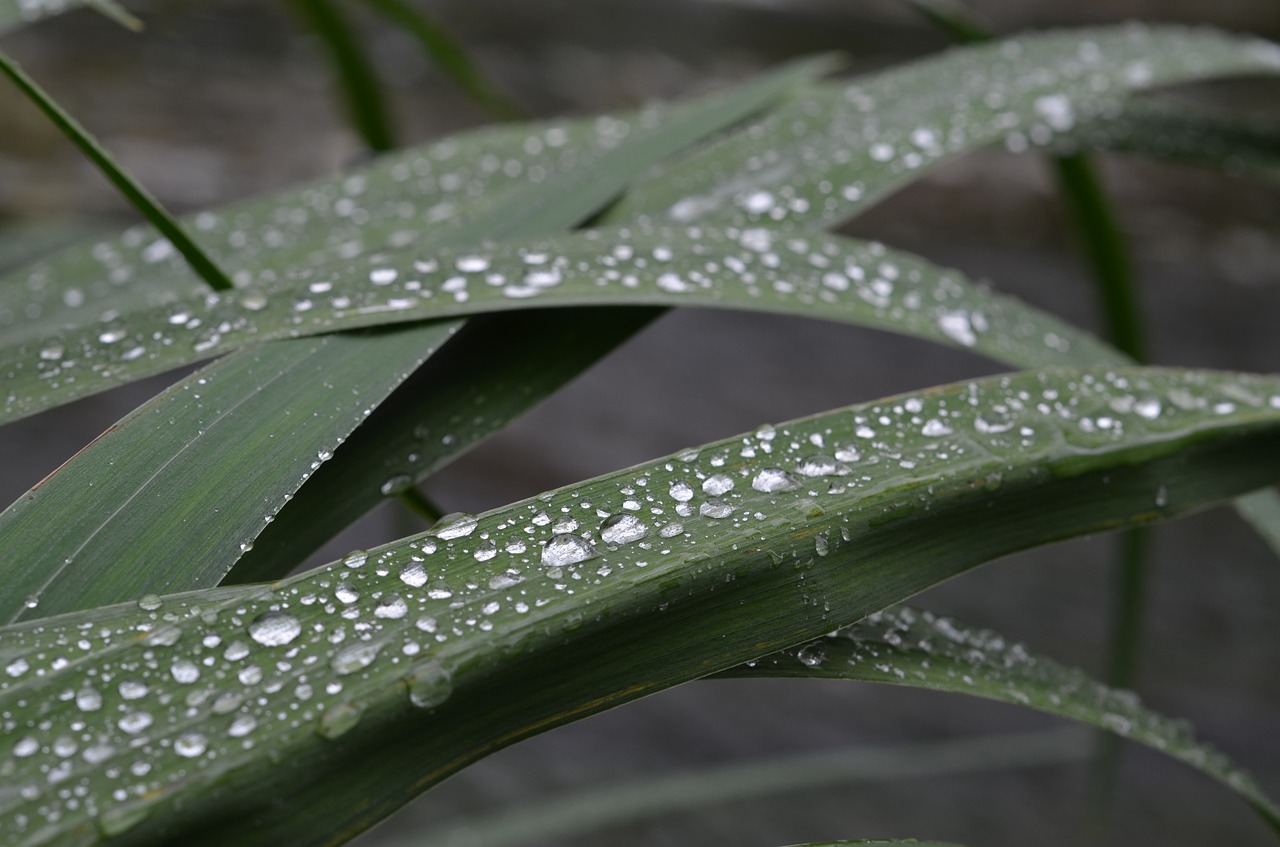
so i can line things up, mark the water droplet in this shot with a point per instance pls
(185, 672)
(355, 559)
(383, 276)
(339, 719)
(162, 636)
(51, 352)
(956, 326)
(565, 548)
(133, 689)
(88, 700)
(715, 509)
(472, 264)
(507, 579)
(274, 629)
(190, 744)
(485, 551)
(681, 492)
(397, 484)
(1149, 409)
(820, 464)
(391, 607)
(242, 726)
(935, 428)
(440, 590)
(346, 593)
(811, 655)
(455, 525)
(25, 747)
(414, 575)
(717, 484)
(355, 657)
(17, 667)
(134, 722)
(770, 480)
(671, 530)
(429, 685)
(622, 529)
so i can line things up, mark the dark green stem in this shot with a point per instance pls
(450, 55)
(415, 501)
(133, 191)
(355, 71)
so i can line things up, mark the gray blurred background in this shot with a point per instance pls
(222, 100)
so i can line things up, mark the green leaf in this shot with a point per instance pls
(758, 269)
(919, 649)
(359, 81)
(556, 818)
(113, 528)
(449, 55)
(823, 157)
(100, 559)
(320, 703)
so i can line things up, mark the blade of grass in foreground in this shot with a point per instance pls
(345, 691)
(591, 810)
(918, 649)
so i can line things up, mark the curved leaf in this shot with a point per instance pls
(760, 269)
(58, 575)
(819, 159)
(919, 649)
(332, 691)
(610, 806)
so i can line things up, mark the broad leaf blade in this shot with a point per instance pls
(332, 691)
(757, 269)
(58, 576)
(921, 650)
(824, 157)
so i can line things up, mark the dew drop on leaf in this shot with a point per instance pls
(354, 657)
(770, 480)
(274, 629)
(622, 529)
(565, 548)
(429, 685)
(455, 525)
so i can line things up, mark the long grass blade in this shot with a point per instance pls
(918, 649)
(449, 54)
(139, 197)
(360, 87)
(330, 692)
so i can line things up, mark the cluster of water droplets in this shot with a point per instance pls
(98, 718)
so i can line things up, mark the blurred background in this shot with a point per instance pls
(219, 101)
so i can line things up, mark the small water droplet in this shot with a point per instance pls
(820, 464)
(88, 700)
(346, 593)
(355, 657)
(134, 722)
(274, 629)
(185, 671)
(485, 551)
(242, 726)
(25, 747)
(133, 689)
(565, 548)
(622, 529)
(397, 484)
(681, 492)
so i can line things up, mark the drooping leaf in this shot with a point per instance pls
(309, 708)
(919, 649)
(594, 809)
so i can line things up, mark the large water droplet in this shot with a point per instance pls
(565, 548)
(391, 607)
(190, 744)
(455, 525)
(717, 484)
(133, 689)
(681, 492)
(770, 480)
(185, 671)
(622, 529)
(274, 629)
(88, 700)
(339, 719)
(355, 657)
(414, 574)
(715, 509)
(429, 685)
(134, 722)
(820, 464)
(242, 726)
